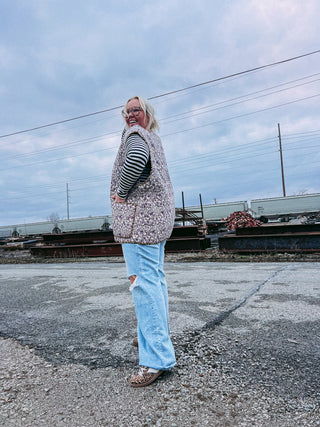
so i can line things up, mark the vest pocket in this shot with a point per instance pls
(123, 216)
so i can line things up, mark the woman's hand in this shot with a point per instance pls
(118, 199)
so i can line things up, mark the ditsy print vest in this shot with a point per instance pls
(148, 215)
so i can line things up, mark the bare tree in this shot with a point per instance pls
(53, 217)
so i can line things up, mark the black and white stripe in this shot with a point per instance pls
(137, 166)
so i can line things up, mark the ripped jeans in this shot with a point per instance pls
(150, 298)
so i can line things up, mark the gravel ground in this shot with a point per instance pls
(229, 374)
(16, 256)
(223, 377)
(219, 380)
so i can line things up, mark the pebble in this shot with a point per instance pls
(212, 384)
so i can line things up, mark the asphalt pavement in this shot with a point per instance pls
(264, 317)
(84, 313)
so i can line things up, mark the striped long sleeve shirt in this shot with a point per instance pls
(137, 166)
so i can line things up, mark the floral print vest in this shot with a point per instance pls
(147, 216)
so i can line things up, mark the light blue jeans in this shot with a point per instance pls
(150, 298)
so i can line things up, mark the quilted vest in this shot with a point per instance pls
(147, 216)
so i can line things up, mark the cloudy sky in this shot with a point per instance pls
(61, 59)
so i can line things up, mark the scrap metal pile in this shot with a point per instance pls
(241, 219)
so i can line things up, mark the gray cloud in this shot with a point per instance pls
(64, 59)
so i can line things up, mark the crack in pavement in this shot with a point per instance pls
(216, 321)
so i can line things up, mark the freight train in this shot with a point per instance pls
(277, 208)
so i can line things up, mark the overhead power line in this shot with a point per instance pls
(169, 134)
(174, 118)
(166, 93)
(236, 74)
(241, 115)
(208, 109)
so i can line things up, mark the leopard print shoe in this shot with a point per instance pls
(144, 377)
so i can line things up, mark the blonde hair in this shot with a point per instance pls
(148, 111)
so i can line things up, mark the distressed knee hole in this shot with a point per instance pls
(133, 281)
(132, 278)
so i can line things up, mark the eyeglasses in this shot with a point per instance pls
(135, 111)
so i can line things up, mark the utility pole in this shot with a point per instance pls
(281, 161)
(201, 206)
(183, 211)
(67, 200)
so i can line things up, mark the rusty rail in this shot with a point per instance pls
(101, 243)
(287, 238)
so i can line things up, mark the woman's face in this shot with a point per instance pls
(135, 114)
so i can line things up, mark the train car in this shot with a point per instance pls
(273, 208)
(37, 228)
(220, 211)
(286, 207)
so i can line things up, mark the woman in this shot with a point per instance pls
(143, 213)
